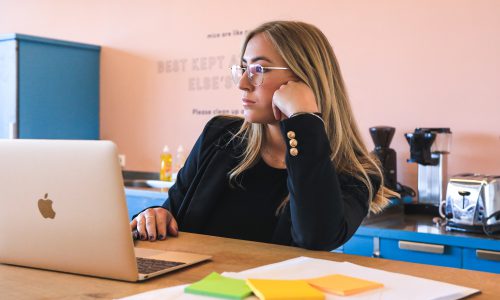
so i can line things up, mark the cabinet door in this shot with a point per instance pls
(481, 260)
(58, 90)
(359, 245)
(425, 253)
(138, 200)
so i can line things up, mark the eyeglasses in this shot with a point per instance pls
(255, 73)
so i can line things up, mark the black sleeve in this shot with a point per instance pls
(325, 211)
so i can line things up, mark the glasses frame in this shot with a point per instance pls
(251, 78)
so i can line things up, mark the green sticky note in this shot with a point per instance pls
(219, 286)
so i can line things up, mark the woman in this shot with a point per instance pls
(294, 171)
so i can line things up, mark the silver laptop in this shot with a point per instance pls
(63, 208)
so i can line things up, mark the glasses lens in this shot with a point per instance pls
(236, 73)
(256, 74)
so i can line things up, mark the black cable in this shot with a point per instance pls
(489, 233)
(404, 190)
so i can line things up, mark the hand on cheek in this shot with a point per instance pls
(278, 115)
(293, 97)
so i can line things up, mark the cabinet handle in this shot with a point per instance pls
(421, 247)
(376, 247)
(12, 130)
(489, 255)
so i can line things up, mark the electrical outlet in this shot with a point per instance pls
(121, 159)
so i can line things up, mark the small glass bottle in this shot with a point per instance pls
(166, 165)
(179, 159)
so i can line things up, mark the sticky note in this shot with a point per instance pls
(342, 284)
(219, 286)
(267, 289)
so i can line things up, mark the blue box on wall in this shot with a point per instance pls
(49, 89)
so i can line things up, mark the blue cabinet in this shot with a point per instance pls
(418, 252)
(417, 239)
(481, 260)
(48, 88)
(138, 200)
(359, 245)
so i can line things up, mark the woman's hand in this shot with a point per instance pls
(154, 224)
(293, 97)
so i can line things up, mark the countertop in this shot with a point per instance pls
(422, 227)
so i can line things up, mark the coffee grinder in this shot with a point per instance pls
(382, 137)
(429, 148)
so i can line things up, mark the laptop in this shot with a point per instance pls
(63, 208)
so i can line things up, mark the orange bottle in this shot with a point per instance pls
(166, 165)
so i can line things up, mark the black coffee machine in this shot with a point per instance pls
(429, 148)
(382, 137)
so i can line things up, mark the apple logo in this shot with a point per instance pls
(45, 207)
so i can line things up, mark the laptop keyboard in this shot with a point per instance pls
(148, 265)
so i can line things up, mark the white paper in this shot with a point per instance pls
(396, 286)
(171, 293)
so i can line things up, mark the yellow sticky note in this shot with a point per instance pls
(343, 285)
(267, 289)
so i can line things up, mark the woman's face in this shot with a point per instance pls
(257, 100)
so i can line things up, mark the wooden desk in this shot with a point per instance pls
(228, 255)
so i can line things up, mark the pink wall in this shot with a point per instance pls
(407, 64)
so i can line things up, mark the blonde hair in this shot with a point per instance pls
(309, 55)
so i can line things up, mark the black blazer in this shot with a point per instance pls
(325, 208)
